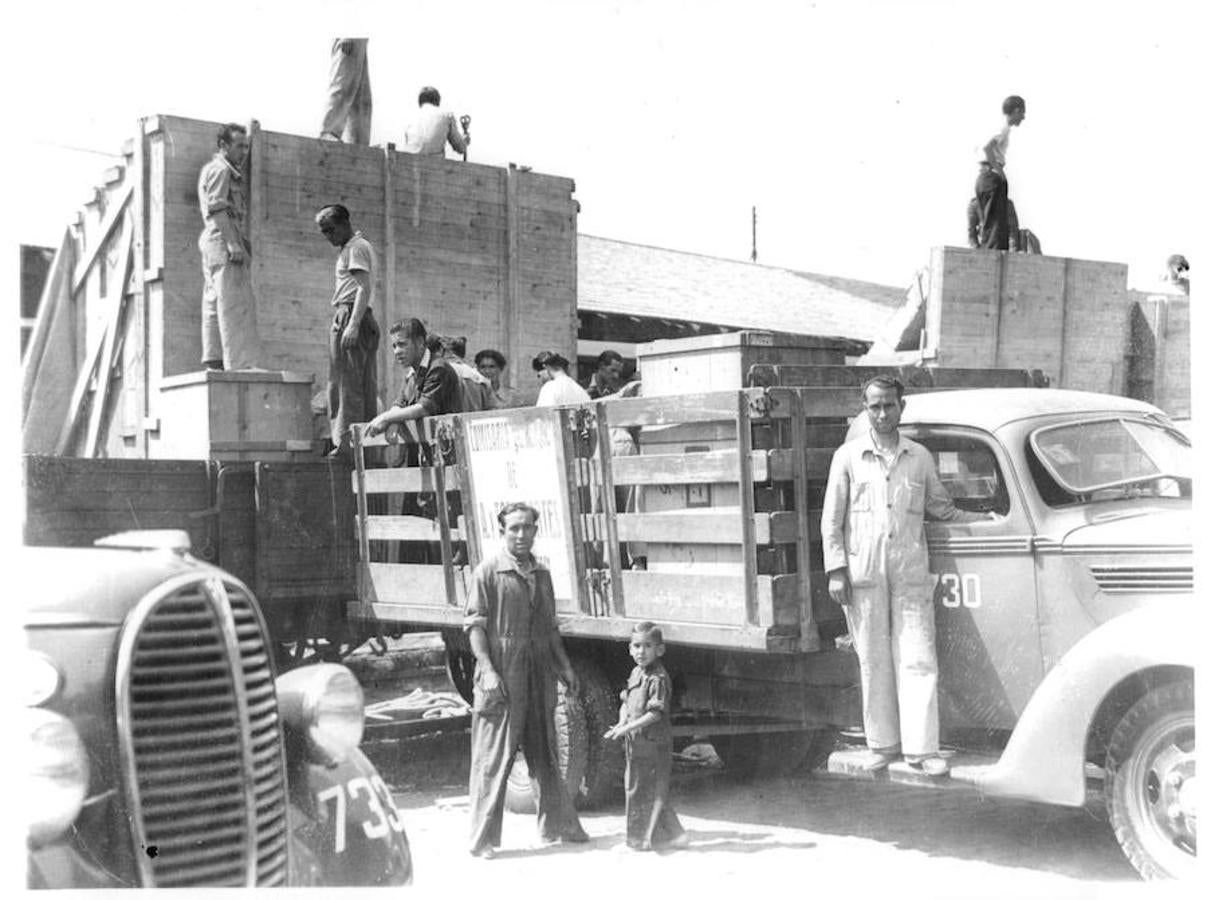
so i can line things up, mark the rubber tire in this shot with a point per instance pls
(774, 753)
(592, 766)
(570, 724)
(459, 663)
(1162, 718)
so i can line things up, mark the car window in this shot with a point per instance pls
(968, 468)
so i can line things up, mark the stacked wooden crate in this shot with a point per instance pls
(472, 250)
(1159, 358)
(1068, 317)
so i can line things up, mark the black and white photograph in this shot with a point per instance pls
(533, 447)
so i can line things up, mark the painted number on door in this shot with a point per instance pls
(382, 819)
(960, 590)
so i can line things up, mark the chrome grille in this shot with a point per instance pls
(203, 741)
(1144, 579)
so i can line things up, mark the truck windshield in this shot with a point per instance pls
(1107, 459)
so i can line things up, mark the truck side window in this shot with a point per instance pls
(968, 469)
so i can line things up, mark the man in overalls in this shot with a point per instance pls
(512, 627)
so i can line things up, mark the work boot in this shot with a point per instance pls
(875, 760)
(933, 766)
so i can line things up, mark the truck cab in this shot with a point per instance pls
(1057, 622)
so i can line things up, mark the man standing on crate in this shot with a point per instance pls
(991, 188)
(229, 337)
(354, 337)
(880, 485)
(349, 112)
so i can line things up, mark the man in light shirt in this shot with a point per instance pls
(433, 128)
(991, 189)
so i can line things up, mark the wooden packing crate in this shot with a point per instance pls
(1159, 357)
(236, 416)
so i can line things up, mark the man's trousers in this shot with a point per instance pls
(351, 375)
(991, 196)
(349, 113)
(894, 635)
(228, 311)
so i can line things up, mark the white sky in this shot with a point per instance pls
(851, 125)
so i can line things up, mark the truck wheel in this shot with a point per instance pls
(1150, 772)
(604, 776)
(459, 663)
(570, 723)
(774, 752)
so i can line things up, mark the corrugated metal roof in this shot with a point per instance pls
(633, 279)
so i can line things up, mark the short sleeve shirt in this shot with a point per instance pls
(436, 386)
(356, 256)
(649, 689)
(220, 189)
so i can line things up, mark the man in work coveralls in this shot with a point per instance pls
(512, 627)
(880, 485)
(349, 113)
(229, 337)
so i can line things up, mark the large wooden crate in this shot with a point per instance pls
(1068, 317)
(474, 250)
(1159, 357)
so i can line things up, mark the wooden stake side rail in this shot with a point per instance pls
(764, 600)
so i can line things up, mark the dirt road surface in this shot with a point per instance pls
(798, 833)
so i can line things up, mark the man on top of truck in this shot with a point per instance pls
(876, 557)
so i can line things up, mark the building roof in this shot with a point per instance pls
(632, 279)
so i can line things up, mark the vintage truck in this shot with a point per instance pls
(1062, 667)
(1057, 681)
(161, 749)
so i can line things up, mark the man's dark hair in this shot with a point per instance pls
(649, 628)
(884, 382)
(499, 358)
(412, 329)
(517, 506)
(607, 357)
(1013, 102)
(547, 358)
(454, 345)
(1178, 262)
(429, 95)
(226, 133)
(335, 211)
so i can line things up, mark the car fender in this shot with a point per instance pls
(345, 827)
(1045, 757)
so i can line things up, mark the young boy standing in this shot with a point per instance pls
(646, 727)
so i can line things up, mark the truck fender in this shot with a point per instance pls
(349, 830)
(1045, 757)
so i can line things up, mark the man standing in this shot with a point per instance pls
(876, 557)
(512, 627)
(436, 388)
(229, 337)
(433, 128)
(477, 393)
(608, 376)
(491, 364)
(349, 112)
(991, 188)
(352, 343)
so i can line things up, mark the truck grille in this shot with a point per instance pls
(202, 742)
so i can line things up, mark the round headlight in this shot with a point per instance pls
(39, 678)
(56, 772)
(324, 702)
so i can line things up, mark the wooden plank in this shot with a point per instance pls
(469, 503)
(695, 634)
(405, 528)
(615, 585)
(688, 468)
(101, 237)
(416, 587)
(702, 527)
(407, 480)
(809, 638)
(576, 548)
(405, 614)
(678, 409)
(746, 502)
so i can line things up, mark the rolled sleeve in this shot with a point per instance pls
(439, 387)
(360, 258)
(478, 604)
(834, 512)
(215, 189)
(656, 695)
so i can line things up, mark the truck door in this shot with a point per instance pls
(986, 617)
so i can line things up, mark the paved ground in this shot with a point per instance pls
(795, 833)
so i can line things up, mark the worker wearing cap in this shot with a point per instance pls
(433, 128)
(991, 187)
(881, 483)
(229, 336)
(349, 113)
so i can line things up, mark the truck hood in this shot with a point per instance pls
(65, 587)
(1134, 529)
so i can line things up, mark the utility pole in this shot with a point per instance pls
(754, 234)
